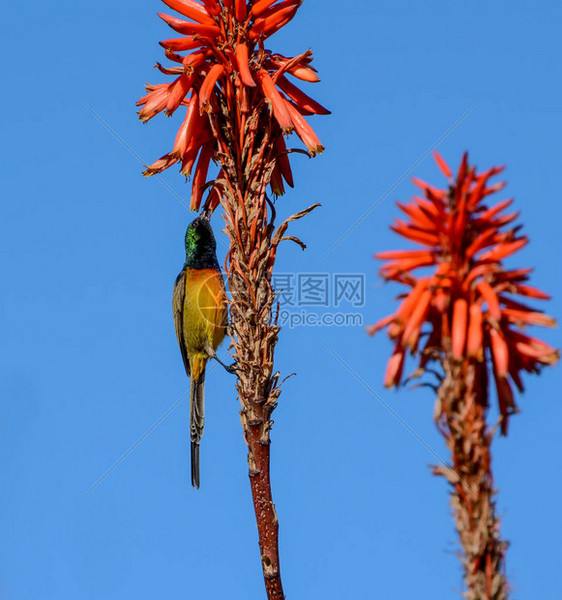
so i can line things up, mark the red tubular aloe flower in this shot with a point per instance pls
(229, 64)
(467, 311)
(238, 103)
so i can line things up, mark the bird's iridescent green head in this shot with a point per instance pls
(200, 245)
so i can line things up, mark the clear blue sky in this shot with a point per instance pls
(89, 361)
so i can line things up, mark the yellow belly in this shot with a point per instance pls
(205, 310)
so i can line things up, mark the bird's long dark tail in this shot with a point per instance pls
(196, 414)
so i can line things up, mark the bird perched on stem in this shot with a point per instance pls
(200, 317)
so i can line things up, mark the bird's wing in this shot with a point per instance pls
(177, 305)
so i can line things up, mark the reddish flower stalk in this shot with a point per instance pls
(239, 104)
(470, 310)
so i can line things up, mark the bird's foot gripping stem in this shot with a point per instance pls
(213, 355)
(232, 369)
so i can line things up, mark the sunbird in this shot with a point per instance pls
(200, 317)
